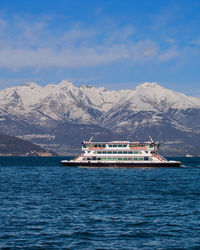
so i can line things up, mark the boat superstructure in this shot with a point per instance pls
(120, 154)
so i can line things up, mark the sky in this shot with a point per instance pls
(117, 44)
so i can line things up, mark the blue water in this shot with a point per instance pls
(46, 206)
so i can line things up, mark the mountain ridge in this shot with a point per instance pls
(10, 145)
(32, 110)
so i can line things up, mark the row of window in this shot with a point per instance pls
(94, 145)
(115, 145)
(124, 159)
(118, 159)
(119, 152)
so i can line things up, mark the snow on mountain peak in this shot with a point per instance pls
(31, 85)
(148, 85)
(66, 83)
(67, 100)
(157, 95)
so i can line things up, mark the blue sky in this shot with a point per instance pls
(113, 43)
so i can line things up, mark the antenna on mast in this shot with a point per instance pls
(151, 139)
(91, 138)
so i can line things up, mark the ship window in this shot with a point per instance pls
(146, 152)
(111, 159)
(109, 152)
(114, 152)
(119, 159)
(146, 158)
(84, 146)
(119, 152)
(120, 146)
(125, 159)
(104, 152)
(130, 152)
(135, 152)
(110, 146)
(125, 152)
(99, 152)
(114, 146)
(140, 159)
(124, 146)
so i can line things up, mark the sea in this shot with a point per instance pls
(44, 205)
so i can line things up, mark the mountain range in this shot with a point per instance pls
(59, 116)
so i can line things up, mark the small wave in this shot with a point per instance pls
(136, 234)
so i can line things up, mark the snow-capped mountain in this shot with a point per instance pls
(45, 114)
(158, 103)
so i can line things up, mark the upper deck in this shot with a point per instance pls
(122, 145)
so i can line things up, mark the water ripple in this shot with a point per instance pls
(47, 206)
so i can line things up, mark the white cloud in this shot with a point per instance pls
(74, 57)
(196, 42)
(168, 55)
(35, 45)
(170, 40)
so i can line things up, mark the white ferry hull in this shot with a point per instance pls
(121, 164)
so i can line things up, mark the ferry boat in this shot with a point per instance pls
(120, 154)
